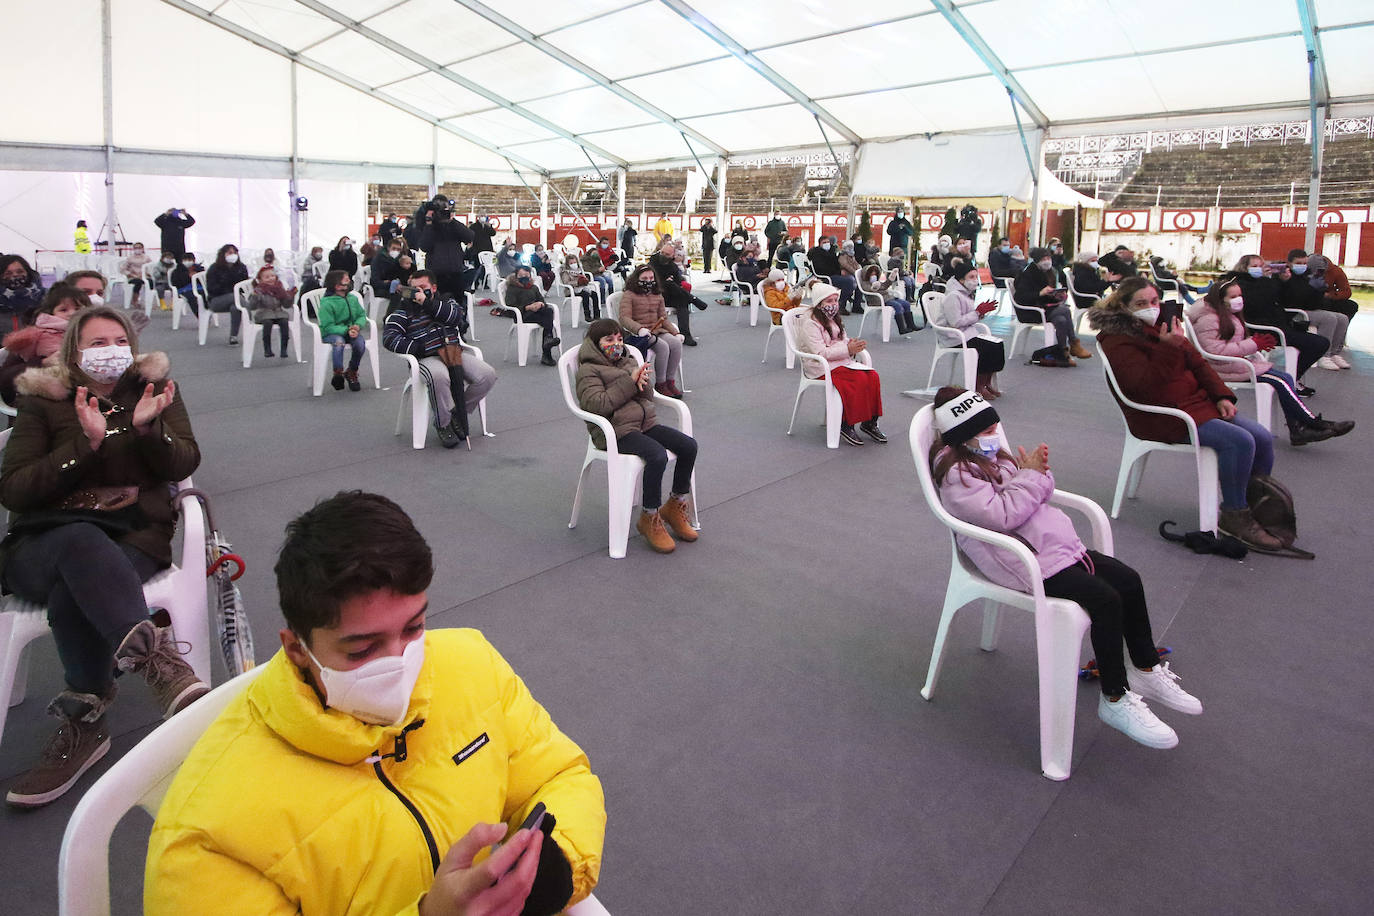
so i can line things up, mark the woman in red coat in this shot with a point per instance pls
(1166, 370)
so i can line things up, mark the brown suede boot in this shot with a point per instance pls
(674, 515)
(1078, 351)
(651, 526)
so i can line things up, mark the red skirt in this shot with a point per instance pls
(860, 392)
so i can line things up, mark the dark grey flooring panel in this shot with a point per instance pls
(752, 702)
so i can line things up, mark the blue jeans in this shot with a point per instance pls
(848, 287)
(900, 306)
(1243, 448)
(339, 342)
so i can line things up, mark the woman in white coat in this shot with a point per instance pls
(958, 313)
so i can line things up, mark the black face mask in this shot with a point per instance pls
(647, 285)
(17, 283)
(523, 281)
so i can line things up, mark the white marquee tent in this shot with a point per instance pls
(426, 91)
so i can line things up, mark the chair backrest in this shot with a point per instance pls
(242, 289)
(198, 287)
(306, 303)
(613, 305)
(141, 777)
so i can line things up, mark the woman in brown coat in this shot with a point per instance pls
(643, 314)
(98, 441)
(1166, 370)
(610, 385)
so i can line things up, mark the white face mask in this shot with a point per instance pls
(1149, 315)
(970, 283)
(988, 446)
(1237, 303)
(781, 284)
(1093, 265)
(376, 692)
(825, 246)
(1045, 265)
(96, 300)
(231, 259)
(106, 364)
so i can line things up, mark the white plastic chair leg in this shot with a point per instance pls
(1290, 361)
(969, 357)
(249, 340)
(1264, 405)
(753, 311)
(834, 416)
(17, 631)
(203, 324)
(1058, 640)
(886, 320)
(622, 476)
(954, 599)
(1208, 490)
(801, 389)
(992, 625)
(374, 353)
(577, 494)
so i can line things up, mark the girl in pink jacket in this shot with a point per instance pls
(1221, 332)
(822, 332)
(982, 484)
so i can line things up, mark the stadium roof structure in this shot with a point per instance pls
(465, 90)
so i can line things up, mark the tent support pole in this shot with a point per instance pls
(293, 215)
(619, 198)
(434, 161)
(1033, 237)
(1317, 139)
(722, 168)
(107, 89)
(544, 213)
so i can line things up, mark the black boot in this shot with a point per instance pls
(1302, 432)
(1337, 427)
(549, 344)
(684, 324)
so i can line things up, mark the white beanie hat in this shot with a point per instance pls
(822, 291)
(775, 275)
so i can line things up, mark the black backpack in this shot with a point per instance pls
(1272, 507)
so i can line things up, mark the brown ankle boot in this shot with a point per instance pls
(152, 651)
(1241, 525)
(1078, 351)
(651, 526)
(81, 739)
(674, 515)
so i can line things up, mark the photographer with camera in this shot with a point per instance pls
(429, 325)
(441, 238)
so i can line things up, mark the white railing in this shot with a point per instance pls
(1201, 137)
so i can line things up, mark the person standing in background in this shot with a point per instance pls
(174, 224)
(708, 243)
(774, 231)
(82, 239)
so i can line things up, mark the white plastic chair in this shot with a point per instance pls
(1290, 354)
(1078, 310)
(1136, 452)
(874, 302)
(420, 420)
(489, 273)
(1059, 623)
(321, 359)
(1003, 287)
(739, 289)
(1264, 394)
(788, 356)
(203, 316)
(149, 292)
(950, 342)
(179, 589)
(1020, 327)
(834, 409)
(522, 332)
(251, 331)
(623, 472)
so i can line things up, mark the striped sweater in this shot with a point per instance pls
(419, 330)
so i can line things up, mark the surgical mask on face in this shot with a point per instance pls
(376, 692)
(1236, 302)
(988, 446)
(1005, 248)
(613, 352)
(1255, 272)
(170, 262)
(395, 252)
(1299, 268)
(1093, 265)
(106, 364)
(188, 264)
(231, 259)
(740, 246)
(970, 283)
(1147, 315)
(1044, 265)
(315, 255)
(604, 245)
(825, 246)
(347, 245)
(97, 300)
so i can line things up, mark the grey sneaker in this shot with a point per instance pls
(447, 437)
(152, 651)
(80, 741)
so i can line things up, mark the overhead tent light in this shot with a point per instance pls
(302, 204)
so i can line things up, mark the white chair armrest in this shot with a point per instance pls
(825, 363)
(684, 413)
(981, 328)
(1269, 328)
(1167, 412)
(1006, 542)
(1302, 313)
(1101, 537)
(1232, 360)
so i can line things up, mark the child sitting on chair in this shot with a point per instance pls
(983, 484)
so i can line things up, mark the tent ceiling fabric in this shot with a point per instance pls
(624, 79)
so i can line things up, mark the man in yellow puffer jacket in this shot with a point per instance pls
(362, 771)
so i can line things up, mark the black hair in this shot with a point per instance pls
(333, 279)
(1297, 253)
(433, 281)
(347, 545)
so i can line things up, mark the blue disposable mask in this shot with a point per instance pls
(988, 446)
(1299, 269)
(1255, 272)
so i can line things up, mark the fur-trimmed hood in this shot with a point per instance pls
(56, 384)
(1106, 320)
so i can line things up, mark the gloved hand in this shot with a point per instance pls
(1265, 341)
